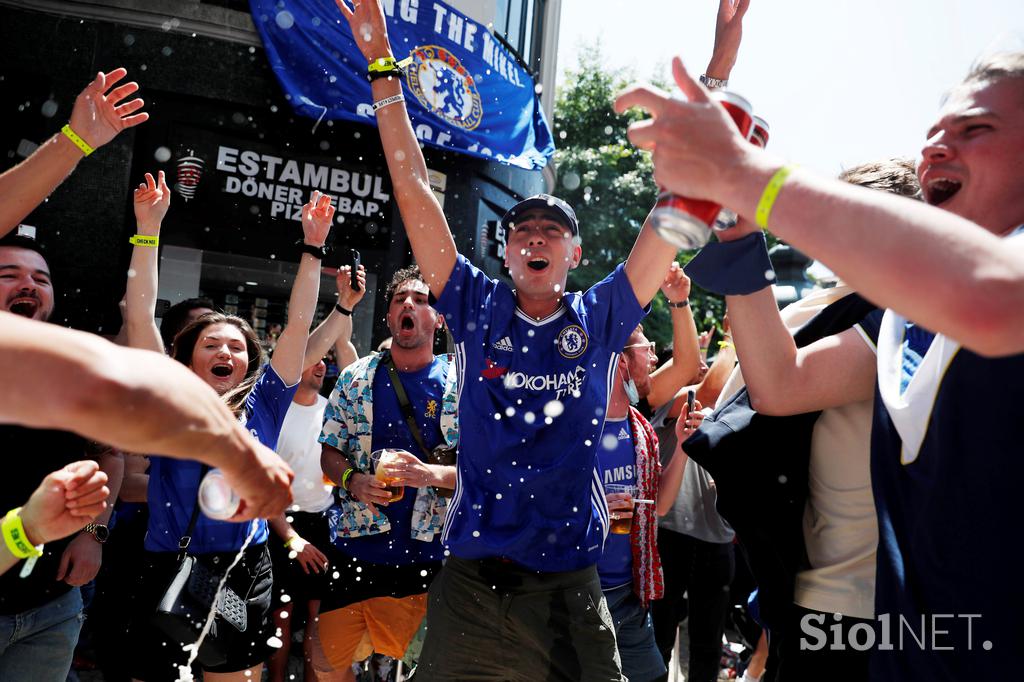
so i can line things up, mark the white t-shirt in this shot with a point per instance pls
(840, 524)
(299, 445)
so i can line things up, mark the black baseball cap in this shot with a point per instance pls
(546, 202)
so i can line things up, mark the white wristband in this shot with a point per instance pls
(388, 100)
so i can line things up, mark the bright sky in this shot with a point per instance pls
(839, 82)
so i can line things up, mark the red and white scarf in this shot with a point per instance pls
(648, 582)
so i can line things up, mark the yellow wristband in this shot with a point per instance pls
(382, 64)
(770, 194)
(79, 142)
(144, 240)
(289, 541)
(15, 537)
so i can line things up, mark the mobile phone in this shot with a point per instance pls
(690, 395)
(355, 270)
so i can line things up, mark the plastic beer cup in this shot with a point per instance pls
(381, 459)
(621, 525)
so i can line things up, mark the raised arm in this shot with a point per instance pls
(290, 351)
(650, 253)
(152, 199)
(135, 401)
(672, 474)
(939, 270)
(783, 379)
(684, 365)
(433, 246)
(728, 36)
(97, 117)
(336, 329)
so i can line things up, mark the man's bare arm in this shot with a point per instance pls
(336, 329)
(433, 246)
(939, 270)
(151, 200)
(290, 353)
(684, 365)
(97, 117)
(784, 379)
(133, 400)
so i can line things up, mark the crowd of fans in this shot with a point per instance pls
(545, 502)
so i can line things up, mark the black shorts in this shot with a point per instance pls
(154, 657)
(353, 581)
(289, 578)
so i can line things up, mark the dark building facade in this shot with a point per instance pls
(240, 163)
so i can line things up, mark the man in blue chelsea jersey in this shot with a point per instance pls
(528, 521)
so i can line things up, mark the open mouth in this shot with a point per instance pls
(26, 307)
(941, 190)
(537, 264)
(222, 371)
(406, 323)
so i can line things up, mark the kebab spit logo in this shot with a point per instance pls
(190, 172)
(444, 87)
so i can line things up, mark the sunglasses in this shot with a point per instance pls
(649, 346)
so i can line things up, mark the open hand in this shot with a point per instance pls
(317, 218)
(369, 30)
(348, 297)
(98, 115)
(676, 286)
(152, 199)
(309, 557)
(65, 502)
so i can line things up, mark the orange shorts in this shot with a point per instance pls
(388, 623)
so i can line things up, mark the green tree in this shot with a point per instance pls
(609, 183)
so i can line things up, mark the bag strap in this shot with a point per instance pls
(403, 403)
(186, 539)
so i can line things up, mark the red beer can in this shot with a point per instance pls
(758, 137)
(759, 132)
(686, 222)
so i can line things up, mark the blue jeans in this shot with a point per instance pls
(634, 635)
(37, 645)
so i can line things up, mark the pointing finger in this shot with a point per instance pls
(694, 91)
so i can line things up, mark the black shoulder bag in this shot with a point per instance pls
(186, 603)
(441, 455)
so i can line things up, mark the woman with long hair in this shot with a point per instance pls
(225, 352)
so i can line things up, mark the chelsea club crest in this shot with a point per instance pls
(572, 342)
(445, 87)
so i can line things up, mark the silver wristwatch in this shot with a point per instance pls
(713, 83)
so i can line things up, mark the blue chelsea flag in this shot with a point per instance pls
(464, 90)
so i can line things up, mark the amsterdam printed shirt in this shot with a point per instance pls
(174, 483)
(616, 458)
(532, 402)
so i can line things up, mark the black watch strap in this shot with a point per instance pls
(318, 252)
